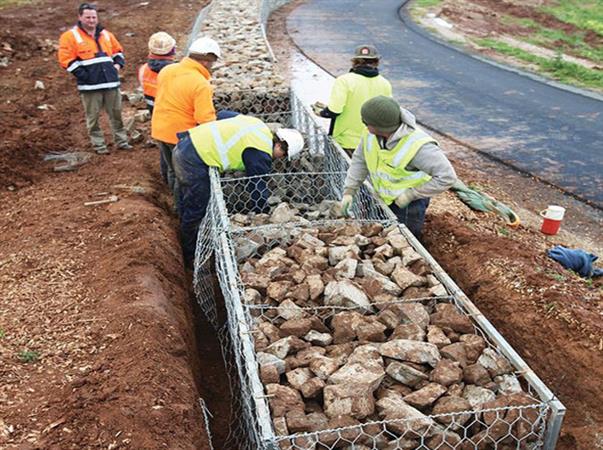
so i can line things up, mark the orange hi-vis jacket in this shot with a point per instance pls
(147, 76)
(183, 101)
(91, 59)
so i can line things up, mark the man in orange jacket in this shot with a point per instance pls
(184, 97)
(95, 57)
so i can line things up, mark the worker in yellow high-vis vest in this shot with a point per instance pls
(349, 93)
(405, 165)
(241, 143)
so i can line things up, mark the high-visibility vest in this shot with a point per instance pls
(221, 143)
(348, 94)
(147, 77)
(91, 59)
(387, 168)
(148, 81)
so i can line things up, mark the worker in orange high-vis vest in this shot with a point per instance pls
(162, 50)
(184, 98)
(95, 57)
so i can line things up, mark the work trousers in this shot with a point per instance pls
(192, 178)
(413, 216)
(110, 101)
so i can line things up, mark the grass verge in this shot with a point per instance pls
(557, 68)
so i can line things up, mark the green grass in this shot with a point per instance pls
(426, 3)
(2, 333)
(571, 44)
(556, 68)
(28, 356)
(584, 14)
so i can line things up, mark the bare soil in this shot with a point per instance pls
(100, 295)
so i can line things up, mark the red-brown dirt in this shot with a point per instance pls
(97, 341)
(100, 295)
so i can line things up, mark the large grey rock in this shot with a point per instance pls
(414, 312)
(508, 384)
(337, 254)
(268, 359)
(425, 396)
(323, 367)
(392, 406)
(494, 363)
(315, 285)
(345, 293)
(288, 310)
(346, 268)
(369, 372)
(355, 400)
(405, 278)
(286, 346)
(298, 377)
(283, 214)
(405, 374)
(413, 351)
(477, 396)
(317, 338)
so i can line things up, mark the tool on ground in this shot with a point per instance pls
(317, 107)
(480, 201)
(110, 199)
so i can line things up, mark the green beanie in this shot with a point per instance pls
(382, 112)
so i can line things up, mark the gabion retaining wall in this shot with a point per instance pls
(304, 193)
(302, 201)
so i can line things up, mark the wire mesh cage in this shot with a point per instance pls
(246, 223)
(514, 419)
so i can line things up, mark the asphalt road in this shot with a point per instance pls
(553, 134)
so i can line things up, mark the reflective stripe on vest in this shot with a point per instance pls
(221, 143)
(387, 168)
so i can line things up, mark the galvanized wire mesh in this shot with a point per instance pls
(311, 188)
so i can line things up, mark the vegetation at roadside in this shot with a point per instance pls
(584, 14)
(426, 3)
(557, 68)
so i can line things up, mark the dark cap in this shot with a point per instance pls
(366, 52)
(383, 113)
(85, 6)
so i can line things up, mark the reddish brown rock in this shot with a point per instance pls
(282, 399)
(448, 316)
(355, 400)
(446, 373)
(476, 374)
(312, 388)
(425, 396)
(455, 352)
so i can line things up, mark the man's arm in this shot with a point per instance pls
(257, 163)
(431, 160)
(203, 104)
(118, 51)
(357, 172)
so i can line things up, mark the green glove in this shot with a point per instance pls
(345, 205)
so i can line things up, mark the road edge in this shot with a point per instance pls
(414, 27)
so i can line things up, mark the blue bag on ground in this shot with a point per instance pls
(577, 260)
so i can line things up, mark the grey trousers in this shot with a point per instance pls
(110, 100)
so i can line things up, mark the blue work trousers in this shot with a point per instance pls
(192, 176)
(413, 216)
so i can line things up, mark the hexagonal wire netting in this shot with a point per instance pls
(229, 235)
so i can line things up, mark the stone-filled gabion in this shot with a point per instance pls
(246, 61)
(352, 328)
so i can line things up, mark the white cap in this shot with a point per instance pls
(161, 43)
(294, 140)
(205, 46)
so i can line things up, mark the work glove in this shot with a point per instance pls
(317, 107)
(404, 199)
(345, 205)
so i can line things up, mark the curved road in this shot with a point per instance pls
(550, 133)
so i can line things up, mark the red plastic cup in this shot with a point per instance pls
(552, 216)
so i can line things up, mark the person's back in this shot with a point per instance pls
(184, 100)
(349, 93)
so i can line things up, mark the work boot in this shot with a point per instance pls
(102, 150)
(125, 146)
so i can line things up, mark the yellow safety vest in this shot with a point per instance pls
(221, 143)
(349, 93)
(387, 168)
